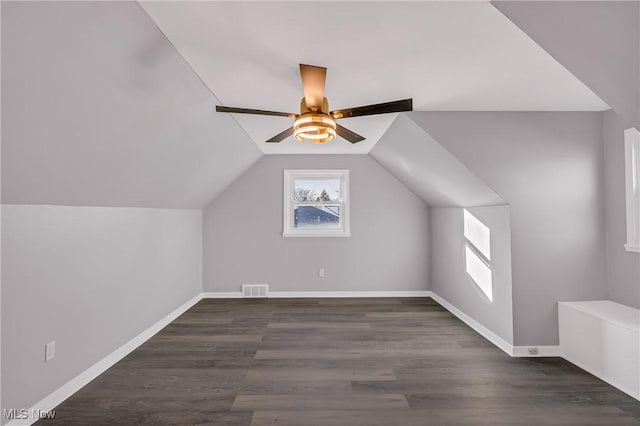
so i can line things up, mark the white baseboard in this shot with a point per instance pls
(334, 294)
(320, 294)
(543, 351)
(479, 328)
(222, 295)
(65, 391)
(508, 348)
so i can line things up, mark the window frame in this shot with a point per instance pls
(289, 205)
(632, 188)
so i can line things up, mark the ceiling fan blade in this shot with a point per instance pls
(281, 136)
(313, 80)
(385, 108)
(352, 137)
(254, 111)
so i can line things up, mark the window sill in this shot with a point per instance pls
(632, 248)
(342, 234)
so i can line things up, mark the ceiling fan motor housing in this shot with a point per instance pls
(324, 108)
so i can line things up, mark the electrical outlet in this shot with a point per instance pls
(321, 273)
(49, 351)
(533, 351)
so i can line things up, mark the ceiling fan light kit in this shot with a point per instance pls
(316, 127)
(315, 122)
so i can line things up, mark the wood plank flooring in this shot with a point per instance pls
(308, 362)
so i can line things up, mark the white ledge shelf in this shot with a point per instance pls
(603, 338)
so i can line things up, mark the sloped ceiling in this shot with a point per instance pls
(598, 41)
(524, 156)
(452, 56)
(99, 109)
(429, 170)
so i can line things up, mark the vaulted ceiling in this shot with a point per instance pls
(597, 41)
(99, 109)
(112, 103)
(449, 56)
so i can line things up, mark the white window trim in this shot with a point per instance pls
(632, 185)
(288, 229)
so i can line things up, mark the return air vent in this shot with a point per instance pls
(255, 290)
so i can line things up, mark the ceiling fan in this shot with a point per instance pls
(315, 122)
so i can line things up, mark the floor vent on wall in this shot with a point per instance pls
(255, 290)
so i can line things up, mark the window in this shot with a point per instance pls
(316, 203)
(632, 183)
(477, 253)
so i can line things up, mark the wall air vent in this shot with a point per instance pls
(255, 290)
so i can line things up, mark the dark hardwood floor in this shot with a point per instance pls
(307, 362)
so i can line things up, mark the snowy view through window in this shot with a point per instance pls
(323, 208)
(316, 203)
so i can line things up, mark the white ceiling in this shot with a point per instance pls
(450, 56)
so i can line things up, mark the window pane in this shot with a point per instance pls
(479, 271)
(316, 217)
(316, 189)
(478, 233)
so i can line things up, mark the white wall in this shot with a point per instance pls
(623, 268)
(548, 166)
(449, 279)
(388, 249)
(90, 278)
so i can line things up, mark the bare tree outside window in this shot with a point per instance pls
(303, 194)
